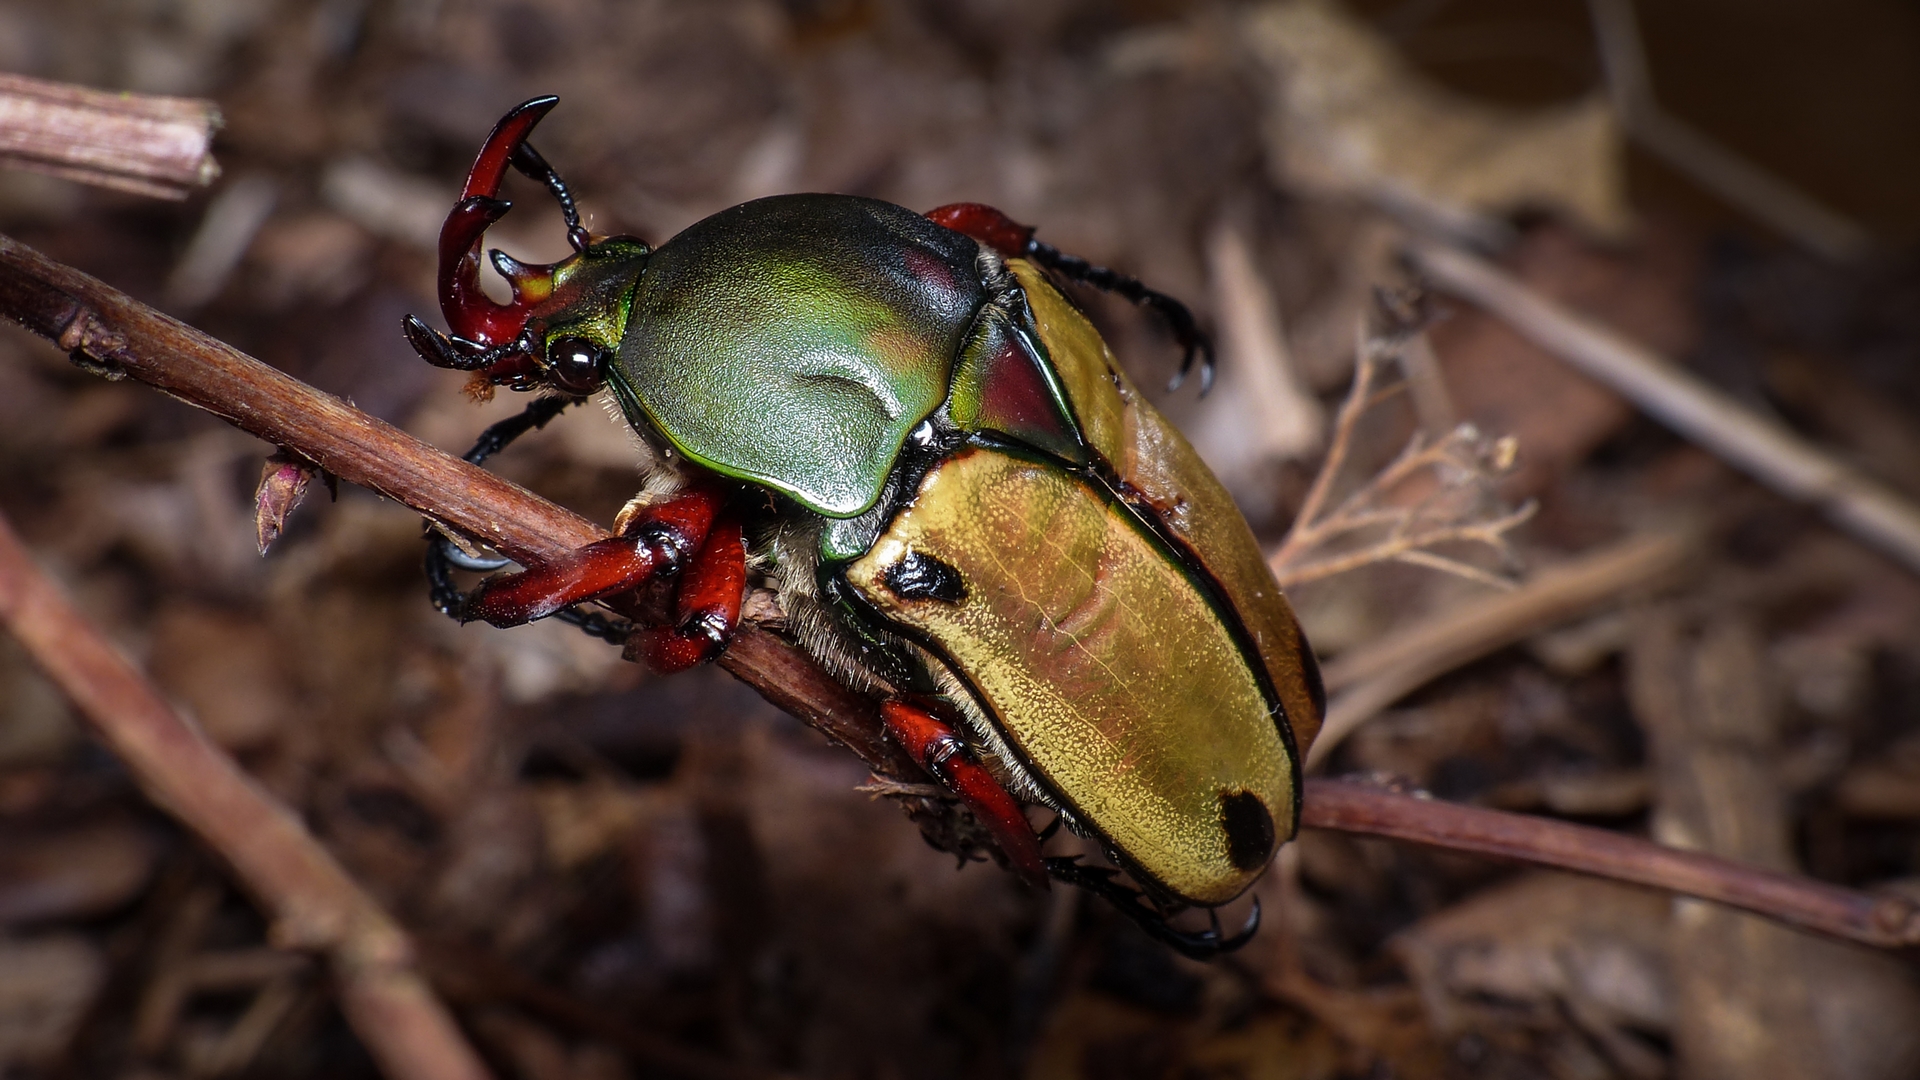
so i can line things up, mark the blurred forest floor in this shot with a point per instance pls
(600, 864)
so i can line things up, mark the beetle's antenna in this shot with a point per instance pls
(534, 167)
(1202, 945)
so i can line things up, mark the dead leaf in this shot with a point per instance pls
(1348, 117)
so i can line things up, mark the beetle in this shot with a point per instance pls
(964, 506)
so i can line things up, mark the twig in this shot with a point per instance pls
(313, 902)
(1263, 416)
(1372, 676)
(160, 146)
(120, 337)
(1780, 205)
(1763, 448)
(1461, 468)
(1350, 806)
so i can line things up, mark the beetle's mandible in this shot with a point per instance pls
(964, 506)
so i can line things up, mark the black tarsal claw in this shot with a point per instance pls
(1195, 945)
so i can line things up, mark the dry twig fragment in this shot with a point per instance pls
(1764, 448)
(1369, 678)
(159, 146)
(313, 902)
(1786, 209)
(1262, 415)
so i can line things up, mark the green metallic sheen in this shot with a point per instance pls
(795, 341)
(595, 291)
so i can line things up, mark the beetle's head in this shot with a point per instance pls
(565, 319)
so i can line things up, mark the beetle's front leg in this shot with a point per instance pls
(658, 542)
(706, 605)
(934, 744)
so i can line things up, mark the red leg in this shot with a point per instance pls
(934, 745)
(987, 225)
(658, 542)
(706, 607)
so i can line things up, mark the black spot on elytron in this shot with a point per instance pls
(1249, 829)
(923, 577)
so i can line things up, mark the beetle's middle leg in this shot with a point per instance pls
(1015, 241)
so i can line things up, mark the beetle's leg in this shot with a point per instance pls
(1193, 343)
(658, 542)
(1197, 945)
(442, 555)
(933, 743)
(502, 435)
(706, 605)
(1015, 241)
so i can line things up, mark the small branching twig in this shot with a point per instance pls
(1435, 493)
(160, 146)
(109, 332)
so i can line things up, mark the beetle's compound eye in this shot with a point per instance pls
(1249, 828)
(576, 364)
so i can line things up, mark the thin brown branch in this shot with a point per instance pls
(123, 338)
(1763, 448)
(119, 337)
(1349, 806)
(313, 903)
(160, 146)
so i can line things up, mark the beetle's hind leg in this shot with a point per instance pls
(1196, 945)
(1015, 241)
(1194, 344)
(934, 744)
